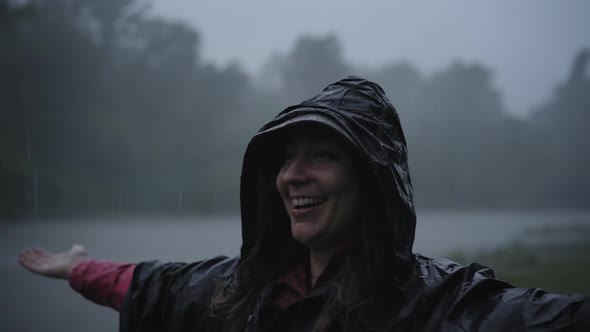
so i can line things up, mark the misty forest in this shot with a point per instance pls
(105, 110)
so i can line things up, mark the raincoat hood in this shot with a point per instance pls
(360, 112)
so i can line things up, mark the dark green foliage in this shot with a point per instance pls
(114, 113)
(541, 260)
(106, 111)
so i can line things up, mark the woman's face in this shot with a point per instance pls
(319, 187)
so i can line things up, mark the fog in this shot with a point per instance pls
(529, 44)
(121, 108)
(123, 126)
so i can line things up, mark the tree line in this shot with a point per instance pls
(106, 110)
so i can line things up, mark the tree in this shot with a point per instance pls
(313, 63)
(459, 121)
(563, 124)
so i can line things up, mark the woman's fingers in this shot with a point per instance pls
(27, 255)
(55, 265)
(36, 255)
(30, 262)
(38, 251)
(32, 252)
(36, 260)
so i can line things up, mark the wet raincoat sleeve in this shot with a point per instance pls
(520, 309)
(582, 319)
(172, 296)
(471, 298)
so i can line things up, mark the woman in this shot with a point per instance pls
(327, 228)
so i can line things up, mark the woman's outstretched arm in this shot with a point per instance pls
(103, 282)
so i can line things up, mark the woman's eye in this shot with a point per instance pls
(324, 155)
(288, 152)
(288, 156)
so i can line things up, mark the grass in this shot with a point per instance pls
(557, 267)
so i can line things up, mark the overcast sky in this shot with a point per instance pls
(529, 43)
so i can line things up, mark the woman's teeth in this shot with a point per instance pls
(306, 202)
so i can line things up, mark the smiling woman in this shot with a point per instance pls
(328, 226)
(319, 187)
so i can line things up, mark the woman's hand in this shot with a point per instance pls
(58, 265)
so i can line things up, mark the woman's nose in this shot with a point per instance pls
(295, 171)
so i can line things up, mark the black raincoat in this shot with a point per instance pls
(440, 295)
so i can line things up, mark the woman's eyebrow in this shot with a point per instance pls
(319, 136)
(324, 140)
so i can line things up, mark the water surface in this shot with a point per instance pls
(33, 303)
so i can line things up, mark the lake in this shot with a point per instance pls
(33, 303)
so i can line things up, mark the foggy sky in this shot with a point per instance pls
(529, 44)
